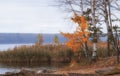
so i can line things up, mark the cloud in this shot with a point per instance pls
(30, 16)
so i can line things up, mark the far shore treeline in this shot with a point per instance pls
(25, 38)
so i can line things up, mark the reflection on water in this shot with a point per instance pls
(4, 70)
(7, 67)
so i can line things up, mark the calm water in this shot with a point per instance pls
(4, 47)
(16, 68)
(6, 68)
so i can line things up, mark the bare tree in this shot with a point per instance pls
(106, 5)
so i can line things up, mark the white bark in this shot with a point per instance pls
(94, 50)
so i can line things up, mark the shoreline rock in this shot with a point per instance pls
(46, 72)
(29, 72)
(108, 71)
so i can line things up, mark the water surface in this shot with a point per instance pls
(4, 47)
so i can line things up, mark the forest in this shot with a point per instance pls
(92, 16)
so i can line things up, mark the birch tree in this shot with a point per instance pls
(94, 55)
(86, 8)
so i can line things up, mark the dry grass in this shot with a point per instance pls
(37, 54)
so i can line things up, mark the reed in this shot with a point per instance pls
(47, 54)
(37, 54)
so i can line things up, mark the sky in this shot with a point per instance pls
(32, 16)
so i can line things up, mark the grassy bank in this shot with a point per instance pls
(37, 54)
(48, 54)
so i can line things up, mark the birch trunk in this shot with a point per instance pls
(94, 54)
(84, 44)
(108, 25)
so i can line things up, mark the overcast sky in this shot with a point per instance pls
(31, 16)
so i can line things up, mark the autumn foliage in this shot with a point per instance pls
(77, 39)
